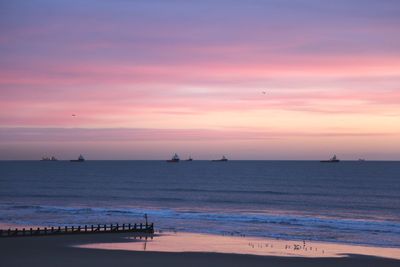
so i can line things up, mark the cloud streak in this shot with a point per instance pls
(136, 135)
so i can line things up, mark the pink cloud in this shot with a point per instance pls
(24, 134)
(117, 106)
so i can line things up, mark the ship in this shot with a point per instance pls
(223, 159)
(80, 159)
(175, 158)
(333, 159)
(49, 159)
(189, 159)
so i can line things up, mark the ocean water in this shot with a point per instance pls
(346, 202)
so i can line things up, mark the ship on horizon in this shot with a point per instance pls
(175, 158)
(80, 159)
(333, 159)
(222, 159)
(52, 158)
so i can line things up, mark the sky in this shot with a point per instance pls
(249, 79)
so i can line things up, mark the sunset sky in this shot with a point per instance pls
(148, 78)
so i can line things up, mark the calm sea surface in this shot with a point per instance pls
(347, 202)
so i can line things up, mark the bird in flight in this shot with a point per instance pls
(264, 92)
(73, 115)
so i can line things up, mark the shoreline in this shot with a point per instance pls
(243, 245)
(63, 251)
(13, 226)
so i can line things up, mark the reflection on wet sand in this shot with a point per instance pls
(240, 244)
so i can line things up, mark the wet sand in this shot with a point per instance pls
(239, 244)
(63, 251)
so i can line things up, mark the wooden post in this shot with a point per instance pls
(140, 227)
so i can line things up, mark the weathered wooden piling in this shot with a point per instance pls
(85, 229)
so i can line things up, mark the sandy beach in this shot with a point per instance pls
(240, 244)
(64, 251)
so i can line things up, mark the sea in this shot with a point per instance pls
(352, 202)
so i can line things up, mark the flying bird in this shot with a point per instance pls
(73, 115)
(264, 92)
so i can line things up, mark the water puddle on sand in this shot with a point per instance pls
(193, 242)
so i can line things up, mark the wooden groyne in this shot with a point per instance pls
(85, 229)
